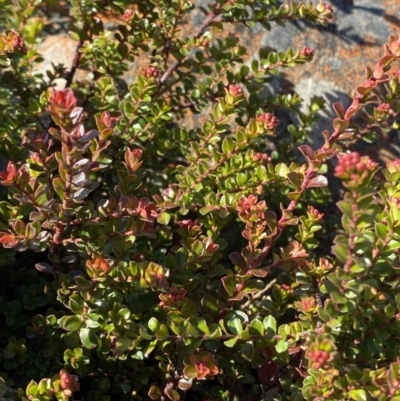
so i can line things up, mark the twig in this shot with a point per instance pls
(206, 23)
(75, 64)
(259, 294)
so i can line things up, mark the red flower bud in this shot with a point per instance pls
(318, 358)
(385, 107)
(262, 157)
(150, 73)
(235, 90)
(308, 304)
(307, 53)
(128, 14)
(351, 165)
(18, 44)
(269, 121)
(69, 383)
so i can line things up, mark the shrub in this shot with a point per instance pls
(145, 257)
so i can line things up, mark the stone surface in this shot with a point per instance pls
(352, 41)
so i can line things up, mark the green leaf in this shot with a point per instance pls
(269, 324)
(71, 340)
(88, 338)
(31, 389)
(282, 170)
(241, 179)
(281, 346)
(162, 333)
(254, 65)
(4, 61)
(256, 327)
(163, 218)
(154, 324)
(210, 305)
(381, 231)
(202, 325)
(76, 304)
(83, 285)
(247, 351)
(144, 333)
(59, 187)
(245, 336)
(155, 393)
(235, 326)
(345, 208)
(262, 173)
(70, 323)
(172, 394)
(123, 344)
(294, 196)
(229, 284)
(231, 343)
(228, 145)
(205, 210)
(3, 387)
(340, 252)
(358, 395)
(193, 345)
(382, 268)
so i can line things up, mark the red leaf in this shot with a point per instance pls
(340, 125)
(238, 260)
(44, 268)
(339, 109)
(319, 181)
(267, 371)
(259, 272)
(378, 72)
(307, 151)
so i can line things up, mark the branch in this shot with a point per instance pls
(206, 23)
(259, 294)
(75, 64)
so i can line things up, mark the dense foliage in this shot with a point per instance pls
(173, 239)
